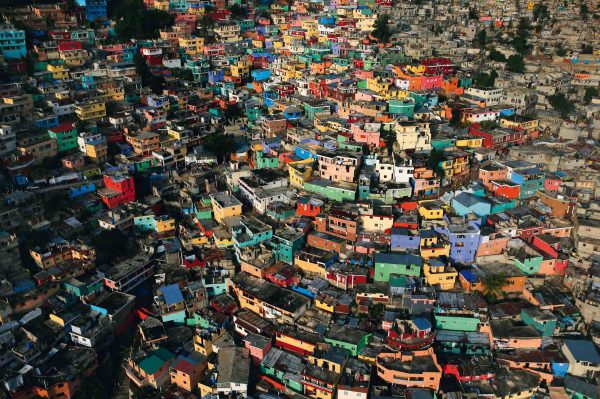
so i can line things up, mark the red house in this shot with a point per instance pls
(505, 188)
(498, 138)
(70, 45)
(118, 189)
(308, 206)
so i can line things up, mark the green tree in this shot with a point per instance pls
(486, 80)
(109, 245)
(382, 29)
(481, 38)
(497, 56)
(560, 50)
(389, 137)
(561, 104)
(434, 161)
(219, 144)
(540, 12)
(590, 92)
(492, 286)
(515, 64)
(520, 40)
(134, 21)
(587, 49)
(584, 11)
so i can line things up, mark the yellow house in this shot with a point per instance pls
(59, 71)
(164, 225)
(310, 266)
(433, 244)
(437, 273)
(74, 57)
(324, 305)
(520, 122)
(97, 152)
(473, 142)
(91, 110)
(300, 172)
(225, 206)
(192, 46)
(431, 210)
(241, 68)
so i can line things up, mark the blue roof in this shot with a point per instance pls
(422, 323)
(172, 294)
(583, 350)
(468, 275)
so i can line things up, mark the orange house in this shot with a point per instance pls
(416, 369)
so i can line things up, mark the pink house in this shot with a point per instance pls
(258, 346)
(361, 74)
(552, 184)
(492, 244)
(367, 133)
(363, 95)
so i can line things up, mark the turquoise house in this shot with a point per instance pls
(84, 285)
(251, 231)
(285, 244)
(402, 107)
(465, 203)
(541, 319)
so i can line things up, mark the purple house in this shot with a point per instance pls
(463, 237)
(403, 239)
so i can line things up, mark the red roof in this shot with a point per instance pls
(63, 127)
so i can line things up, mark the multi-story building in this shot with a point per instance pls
(118, 189)
(90, 111)
(128, 274)
(12, 42)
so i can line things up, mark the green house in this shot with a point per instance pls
(456, 323)
(284, 367)
(65, 135)
(262, 161)
(335, 191)
(541, 319)
(352, 339)
(396, 263)
(443, 142)
(463, 342)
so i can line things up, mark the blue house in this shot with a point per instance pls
(463, 238)
(260, 74)
(171, 303)
(465, 203)
(75, 192)
(293, 112)
(12, 42)
(94, 9)
(404, 239)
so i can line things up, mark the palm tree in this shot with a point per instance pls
(493, 285)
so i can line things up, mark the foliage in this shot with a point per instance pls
(455, 119)
(473, 14)
(561, 104)
(382, 29)
(497, 56)
(237, 11)
(587, 49)
(133, 21)
(540, 12)
(433, 162)
(492, 286)
(520, 40)
(481, 38)
(590, 92)
(488, 125)
(109, 245)
(486, 80)
(390, 139)
(584, 11)
(560, 50)
(515, 64)
(219, 144)
(376, 310)
(156, 83)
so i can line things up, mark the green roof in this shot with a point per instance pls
(152, 363)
